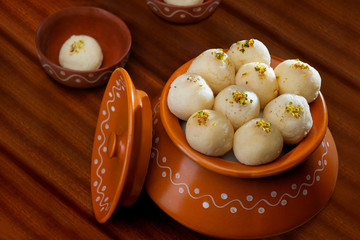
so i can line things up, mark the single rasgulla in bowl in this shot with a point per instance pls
(238, 103)
(257, 142)
(189, 93)
(295, 76)
(81, 52)
(184, 2)
(247, 51)
(261, 79)
(291, 114)
(215, 66)
(209, 132)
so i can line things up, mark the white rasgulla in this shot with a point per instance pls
(209, 132)
(257, 142)
(291, 114)
(215, 67)
(184, 2)
(295, 76)
(81, 52)
(189, 93)
(238, 103)
(247, 51)
(261, 79)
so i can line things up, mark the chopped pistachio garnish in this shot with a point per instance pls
(265, 126)
(202, 117)
(244, 74)
(193, 79)
(76, 46)
(260, 68)
(300, 65)
(220, 54)
(246, 44)
(240, 97)
(214, 124)
(276, 91)
(295, 111)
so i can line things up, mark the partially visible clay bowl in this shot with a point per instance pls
(183, 14)
(109, 30)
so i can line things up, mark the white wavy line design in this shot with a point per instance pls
(183, 11)
(282, 200)
(103, 204)
(47, 66)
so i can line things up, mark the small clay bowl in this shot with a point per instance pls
(109, 30)
(183, 14)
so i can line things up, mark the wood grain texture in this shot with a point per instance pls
(46, 129)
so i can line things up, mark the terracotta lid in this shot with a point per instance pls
(122, 146)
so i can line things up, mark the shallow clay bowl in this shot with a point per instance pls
(183, 14)
(109, 30)
(229, 200)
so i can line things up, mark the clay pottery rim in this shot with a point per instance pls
(286, 162)
(161, 2)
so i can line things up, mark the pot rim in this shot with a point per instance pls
(284, 163)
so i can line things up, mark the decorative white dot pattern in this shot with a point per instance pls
(233, 209)
(300, 189)
(206, 205)
(102, 199)
(261, 210)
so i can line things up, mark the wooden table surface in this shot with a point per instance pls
(47, 129)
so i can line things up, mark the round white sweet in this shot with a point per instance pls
(291, 114)
(81, 52)
(247, 51)
(295, 76)
(238, 103)
(209, 132)
(260, 78)
(184, 2)
(257, 142)
(215, 67)
(189, 93)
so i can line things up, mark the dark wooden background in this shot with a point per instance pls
(46, 129)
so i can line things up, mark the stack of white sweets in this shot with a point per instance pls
(235, 100)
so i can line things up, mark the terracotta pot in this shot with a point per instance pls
(211, 195)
